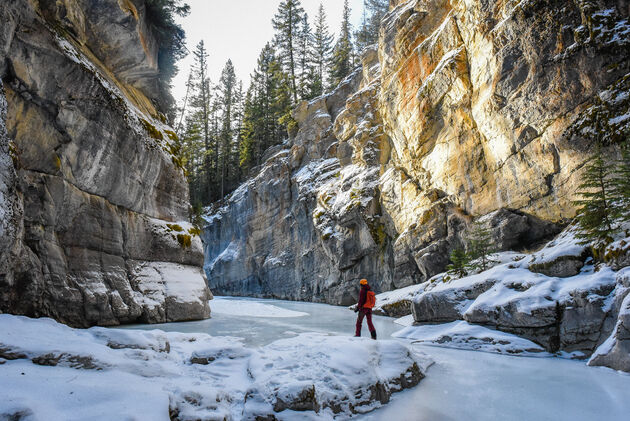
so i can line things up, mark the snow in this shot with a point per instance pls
(42, 393)
(607, 346)
(250, 308)
(462, 335)
(336, 368)
(539, 291)
(620, 119)
(158, 281)
(566, 244)
(230, 253)
(60, 373)
(405, 320)
(397, 295)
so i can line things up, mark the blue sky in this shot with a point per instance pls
(239, 29)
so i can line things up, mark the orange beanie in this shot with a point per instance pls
(363, 282)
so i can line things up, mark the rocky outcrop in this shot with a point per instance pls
(464, 111)
(614, 352)
(95, 190)
(574, 314)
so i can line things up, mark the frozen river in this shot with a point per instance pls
(461, 385)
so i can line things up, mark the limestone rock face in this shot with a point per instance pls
(464, 111)
(93, 193)
(486, 100)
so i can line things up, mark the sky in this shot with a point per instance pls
(239, 29)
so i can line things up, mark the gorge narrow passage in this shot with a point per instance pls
(460, 385)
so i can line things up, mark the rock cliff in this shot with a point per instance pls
(465, 109)
(90, 185)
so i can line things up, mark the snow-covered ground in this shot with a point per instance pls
(140, 380)
(49, 371)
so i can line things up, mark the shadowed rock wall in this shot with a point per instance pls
(93, 193)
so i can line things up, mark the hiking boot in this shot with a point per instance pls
(373, 335)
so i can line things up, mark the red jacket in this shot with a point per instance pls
(363, 296)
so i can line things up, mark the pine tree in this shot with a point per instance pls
(268, 99)
(621, 185)
(199, 119)
(460, 261)
(596, 212)
(363, 36)
(480, 246)
(227, 94)
(287, 22)
(342, 60)
(171, 41)
(189, 87)
(281, 103)
(321, 52)
(373, 13)
(305, 68)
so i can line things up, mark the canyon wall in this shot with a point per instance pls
(94, 199)
(466, 110)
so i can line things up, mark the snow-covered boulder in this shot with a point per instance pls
(462, 335)
(562, 257)
(558, 313)
(614, 352)
(340, 374)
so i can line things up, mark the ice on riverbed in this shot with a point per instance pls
(462, 335)
(49, 371)
(244, 308)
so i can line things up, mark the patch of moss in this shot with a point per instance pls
(195, 231)
(184, 240)
(326, 236)
(162, 118)
(175, 227)
(152, 130)
(172, 135)
(57, 161)
(177, 162)
(377, 231)
(613, 253)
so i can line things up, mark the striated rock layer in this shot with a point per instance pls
(91, 190)
(464, 109)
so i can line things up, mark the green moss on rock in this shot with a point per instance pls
(184, 240)
(152, 130)
(175, 227)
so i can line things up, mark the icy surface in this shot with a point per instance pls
(243, 308)
(462, 385)
(469, 385)
(462, 335)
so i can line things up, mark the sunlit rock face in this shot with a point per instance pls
(466, 110)
(483, 99)
(93, 170)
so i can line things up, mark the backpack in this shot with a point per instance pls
(370, 299)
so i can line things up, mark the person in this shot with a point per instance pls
(364, 311)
